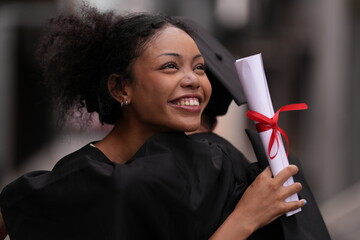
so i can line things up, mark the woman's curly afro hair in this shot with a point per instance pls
(80, 51)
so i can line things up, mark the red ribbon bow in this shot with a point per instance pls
(265, 124)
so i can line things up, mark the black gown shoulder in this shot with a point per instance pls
(175, 187)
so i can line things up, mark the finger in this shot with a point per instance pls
(267, 172)
(286, 173)
(292, 189)
(295, 205)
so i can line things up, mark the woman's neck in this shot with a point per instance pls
(121, 144)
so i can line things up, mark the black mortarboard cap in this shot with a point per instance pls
(220, 70)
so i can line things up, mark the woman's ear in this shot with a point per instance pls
(117, 88)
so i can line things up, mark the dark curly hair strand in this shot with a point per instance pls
(79, 53)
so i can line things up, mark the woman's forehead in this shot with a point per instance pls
(170, 39)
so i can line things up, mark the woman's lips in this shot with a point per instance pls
(191, 104)
(189, 101)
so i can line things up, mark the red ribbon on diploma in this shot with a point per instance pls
(264, 124)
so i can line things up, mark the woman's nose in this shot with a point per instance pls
(190, 80)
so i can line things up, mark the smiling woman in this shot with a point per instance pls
(165, 78)
(145, 75)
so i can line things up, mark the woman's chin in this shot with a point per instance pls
(192, 128)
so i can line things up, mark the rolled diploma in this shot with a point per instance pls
(252, 77)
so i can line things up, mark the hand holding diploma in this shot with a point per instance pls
(252, 77)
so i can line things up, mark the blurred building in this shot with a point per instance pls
(311, 54)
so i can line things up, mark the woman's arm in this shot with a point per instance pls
(3, 232)
(262, 202)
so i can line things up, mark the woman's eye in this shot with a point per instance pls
(170, 66)
(200, 67)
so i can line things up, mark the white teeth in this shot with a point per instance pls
(188, 102)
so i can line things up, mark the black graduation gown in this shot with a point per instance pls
(305, 225)
(242, 169)
(175, 187)
(271, 231)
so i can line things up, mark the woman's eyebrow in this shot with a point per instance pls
(169, 54)
(198, 56)
(178, 55)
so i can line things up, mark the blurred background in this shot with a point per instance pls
(311, 54)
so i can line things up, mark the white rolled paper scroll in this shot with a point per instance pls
(252, 77)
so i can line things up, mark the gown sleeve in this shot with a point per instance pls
(175, 187)
(58, 204)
